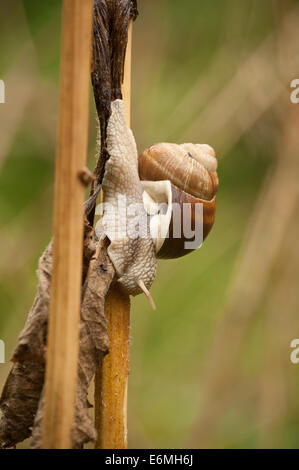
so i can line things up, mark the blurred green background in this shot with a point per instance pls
(211, 367)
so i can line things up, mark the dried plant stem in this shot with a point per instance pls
(112, 377)
(126, 87)
(111, 380)
(63, 335)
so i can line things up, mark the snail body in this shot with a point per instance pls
(133, 258)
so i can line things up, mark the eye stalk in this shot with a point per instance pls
(192, 172)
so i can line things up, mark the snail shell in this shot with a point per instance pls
(192, 171)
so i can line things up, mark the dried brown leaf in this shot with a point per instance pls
(94, 344)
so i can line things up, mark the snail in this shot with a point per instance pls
(140, 195)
